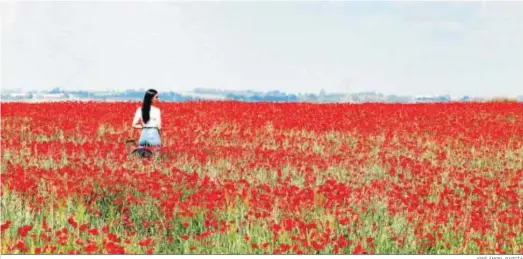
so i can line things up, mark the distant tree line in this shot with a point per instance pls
(244, 95)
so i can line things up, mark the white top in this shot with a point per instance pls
(154, 118)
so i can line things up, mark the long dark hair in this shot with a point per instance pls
(146, 106)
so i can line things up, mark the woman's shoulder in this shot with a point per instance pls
(155, 108)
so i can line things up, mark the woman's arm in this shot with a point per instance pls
(159, 120)
(137, 120)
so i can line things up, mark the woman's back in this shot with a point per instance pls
(154, 118)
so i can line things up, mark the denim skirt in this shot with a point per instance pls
(150, 137)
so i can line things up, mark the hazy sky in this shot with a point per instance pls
(456, 48)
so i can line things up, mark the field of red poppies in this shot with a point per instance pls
(250, 178)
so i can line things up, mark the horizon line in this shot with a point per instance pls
(174, 90)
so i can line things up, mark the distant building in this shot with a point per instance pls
(442, 98)
(101, 94)
(74, 97)
(47, 96)
(19, 95)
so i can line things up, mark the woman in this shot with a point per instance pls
(149, 120)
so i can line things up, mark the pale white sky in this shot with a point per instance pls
(457, 48)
